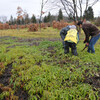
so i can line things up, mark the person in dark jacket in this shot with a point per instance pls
(90, 30)
(63, 33)
(70, 38)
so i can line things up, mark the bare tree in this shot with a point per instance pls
(19, 14)
(3, 19)
(43, 3)
(74, 7)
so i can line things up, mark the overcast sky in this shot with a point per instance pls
(9, 7)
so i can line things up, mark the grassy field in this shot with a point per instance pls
(39, 69)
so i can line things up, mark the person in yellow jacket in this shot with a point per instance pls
(71, 39)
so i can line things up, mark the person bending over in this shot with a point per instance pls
(90, 30)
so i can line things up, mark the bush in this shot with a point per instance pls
(33, 27)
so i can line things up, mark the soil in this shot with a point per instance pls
(22, 95)
(5, 81)
(94, 81)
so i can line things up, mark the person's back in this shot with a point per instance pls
(72, 35)
(90, 29)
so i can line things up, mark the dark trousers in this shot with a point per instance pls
(72, 46)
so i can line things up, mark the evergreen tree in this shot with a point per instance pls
(49, 17)
(27, 20)
(45, 19)
(88, 14)
(60, 16)
(23, 21)
(11, 21)
(70, 17)
(15, 21)
(33, 19)
(18, 21)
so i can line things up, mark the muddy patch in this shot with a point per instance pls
(94, 81)
(4, 78)
(18, 39)
(22, 95)
(5, 86)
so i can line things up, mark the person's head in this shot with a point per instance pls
(72, 27)
(79, 23)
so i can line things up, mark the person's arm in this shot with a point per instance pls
(63, 32)
(86, 35)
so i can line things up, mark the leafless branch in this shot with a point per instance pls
(95, 1)
(74, 7)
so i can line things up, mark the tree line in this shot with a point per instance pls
(25, 19)
(88, 14)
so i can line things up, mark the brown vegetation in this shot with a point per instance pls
(59, 25)
(33, 27)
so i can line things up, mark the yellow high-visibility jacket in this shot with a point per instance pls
(72, 36)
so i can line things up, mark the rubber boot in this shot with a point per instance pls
(74, 52)
(66, 50)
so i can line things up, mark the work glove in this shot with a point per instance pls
(87, 44)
